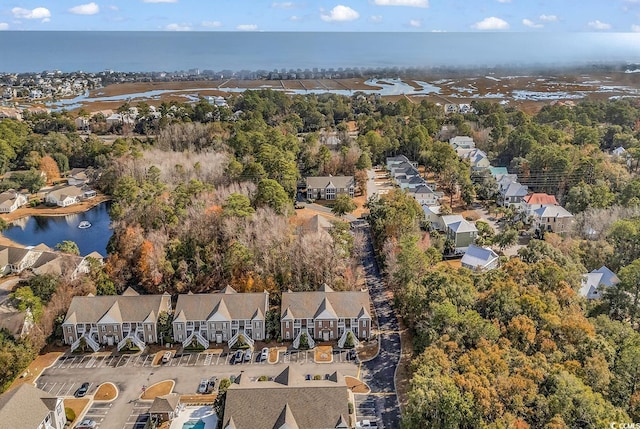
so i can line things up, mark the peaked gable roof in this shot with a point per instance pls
(286, 419)
(552, 212)
(325, 304)
(222, 306)
(324, 181)
(25, 407)
(117, 308)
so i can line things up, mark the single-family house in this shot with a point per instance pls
(411, 182)
(553, 219)
(425, 196)
(221, 317)
(394, 161)
(287, 401)
(619, 151)
(535, 201)
(593, 282)
(479, 258)
(477, 158)
(432, 214)
(317, 224)
(77, 177)
(27, 407)
(462, 142)
(325, 315)
(82, 122)
(64, 196)
(512, 195)
(450, 108)
(165, 408)
(329, 187)
(460, 231)
(129, 319)
(11, 200)
(15, 322)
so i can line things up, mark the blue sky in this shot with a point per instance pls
(322, 15)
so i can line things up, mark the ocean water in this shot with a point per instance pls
(174, 51)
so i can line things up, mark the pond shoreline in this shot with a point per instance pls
(48, 211)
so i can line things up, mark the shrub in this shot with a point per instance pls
(349, 342)
(263, 378)
(304, 341)
(350, 407)
(317, 377)
(71, 415)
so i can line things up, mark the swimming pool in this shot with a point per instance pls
(193, 424)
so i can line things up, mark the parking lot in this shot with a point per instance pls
(139, 415)
(189, 359)
(64, 388)
(98, 412)
(365, 407)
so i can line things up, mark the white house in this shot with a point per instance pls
(432, 214)
(425, 196)
(462, 142)
(77, 177)
(591, 282)
(535, 201)
(64, 196)
(553, 219)
(479, 258)
(512, 195)
(11, 200)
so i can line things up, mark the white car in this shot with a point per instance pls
(264, 354)
(166, 357)
(366, 424)
(203, 386)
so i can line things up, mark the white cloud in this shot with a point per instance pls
(41, 13)
(635, 28)
(375, 18)
(548, 18)
(491, 23)
(295, 18)
(504, 1)
(410, 3)
(283, 5)
(178, 27)
(85, 9)
(415, 23)
(160, 1)
(247, 27)
(211, 24)
(529, 23)
(341, 13)
(4, 26)
(599, 25)
(112, 7)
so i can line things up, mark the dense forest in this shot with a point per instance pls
(203, 197)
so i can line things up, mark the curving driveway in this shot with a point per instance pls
(379, 372)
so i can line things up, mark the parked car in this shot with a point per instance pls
(166, 357)
(367, 424)
(264, 354)
(238, 356)
(86, 424)
(82, 390)
(247, 355)
(203, 386)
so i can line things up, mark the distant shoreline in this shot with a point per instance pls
(43, 210)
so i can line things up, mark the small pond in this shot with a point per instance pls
(52, 230)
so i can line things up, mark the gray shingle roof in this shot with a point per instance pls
(478, 257)
(165, 403)
(233, 306)
(312, 404)
(308, 305)
(25, 407)
(121, 308)
(337, 181)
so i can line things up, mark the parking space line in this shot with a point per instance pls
(207, 359)
(62, 385)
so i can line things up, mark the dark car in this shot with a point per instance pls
(352, 354)
(82, 390)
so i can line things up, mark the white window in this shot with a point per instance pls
(179, 337)
(286, 324)
(288, 335)
(103, 328)
(69, 329)
(331, 324)
(115, 328)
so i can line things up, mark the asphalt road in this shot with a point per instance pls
(379, 372)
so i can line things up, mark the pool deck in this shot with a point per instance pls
(205, 413)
